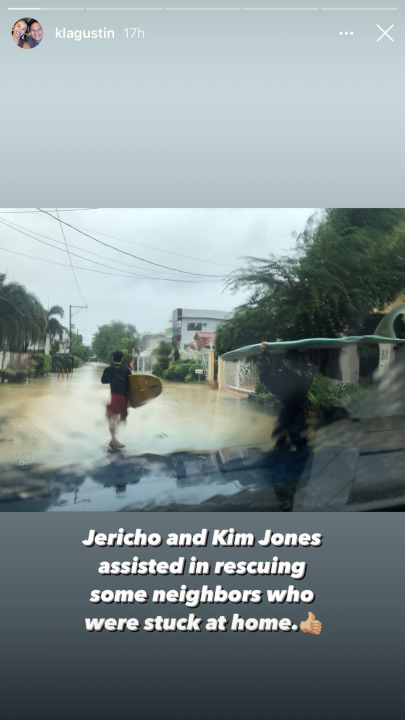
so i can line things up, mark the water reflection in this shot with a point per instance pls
(155, 482)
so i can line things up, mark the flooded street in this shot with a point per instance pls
(56, 430)
(193, 448)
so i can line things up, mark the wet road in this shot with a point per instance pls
(193, 448)
(55, 430)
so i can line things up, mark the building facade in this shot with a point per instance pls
(149, 344)
(186, 323)
(41, 346)
(64, 342)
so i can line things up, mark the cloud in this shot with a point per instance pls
(191, 240)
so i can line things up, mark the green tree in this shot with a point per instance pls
(79, 349)
(163, 353)
(22, 317)
(115, 335)
(347, 264)
(54, 348)
(54, 327)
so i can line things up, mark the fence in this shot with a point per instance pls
(204, 357)
(145, 362)
(239, 375)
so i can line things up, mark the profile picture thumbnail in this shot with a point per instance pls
(27, 33)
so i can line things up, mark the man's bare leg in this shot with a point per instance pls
(119, 444)
(112, 425)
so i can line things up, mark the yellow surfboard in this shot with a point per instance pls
(143, 388)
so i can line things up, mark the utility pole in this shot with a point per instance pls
(81, 307)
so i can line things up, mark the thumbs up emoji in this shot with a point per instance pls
(311, 625)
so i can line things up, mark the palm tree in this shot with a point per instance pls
(54, 327)
(22, 317)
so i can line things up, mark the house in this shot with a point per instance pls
(186, 323)
(41, 346)
(202, 341)
(64, 342)
(149, 344)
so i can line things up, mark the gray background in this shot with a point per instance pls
(211, 109)
(50, 662)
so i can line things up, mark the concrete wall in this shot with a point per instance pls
(16, 361)
(19, 361)
(349, 363)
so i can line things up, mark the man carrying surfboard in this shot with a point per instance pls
(291, 387)
(116, 376)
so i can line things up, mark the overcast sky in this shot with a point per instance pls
(206, 236)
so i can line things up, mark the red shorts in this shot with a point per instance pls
(118, 406)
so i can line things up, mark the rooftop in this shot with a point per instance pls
(202, 339)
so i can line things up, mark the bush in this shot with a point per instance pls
(193, 368)
(77, 362)
(13, 376)
(42, 364)
(158, 369)
(176, 372)
(181, 370)
(260, 388)
(262, 395)
(327, 396)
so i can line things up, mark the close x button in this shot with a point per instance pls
(385, 33)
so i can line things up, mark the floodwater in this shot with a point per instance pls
(194, 448)
(53, 433)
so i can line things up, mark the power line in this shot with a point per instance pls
(70, 259)
(198, 281)
(74, 254)
(129, 242)
(101, 272)
(184, 272)
(14, 226)
(150, 247)
(76, 313)
(112, 237)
